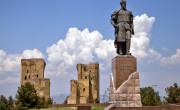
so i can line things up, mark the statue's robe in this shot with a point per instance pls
(124, 21)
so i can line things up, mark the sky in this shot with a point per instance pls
(67, 32)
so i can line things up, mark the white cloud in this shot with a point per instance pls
(10, 80)
(10, 63)
(105, 50)
(174, 59)
(141, 40)
(32, 54)
(78, 47)
(154, 54)
(143, 23)
(84, 47)
(2, 53)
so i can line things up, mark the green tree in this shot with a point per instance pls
(10, 103)
(3, 106)
(41, 103)
(173, 94)
(4, 102)
(44, 104)
(149, 97)
(50, 101)
(96, 101)
(3, 99)
(7, 103)
(65, 101)
(26, 96)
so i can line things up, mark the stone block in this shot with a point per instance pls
(138, 104)
(122, 90)
(136, 75)
(123, 97)
(111, 90)
(124, 104)
(131, 103)
(120, 97)
(129, 83)
(130, 90)
(118, 104)
(136, 82)
(116, 97)
(137, 97)
(137, 90)
(130, 97)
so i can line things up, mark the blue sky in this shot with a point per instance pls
(26, 25)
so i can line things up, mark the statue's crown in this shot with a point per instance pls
(123, 1)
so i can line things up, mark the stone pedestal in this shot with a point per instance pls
(124, 82)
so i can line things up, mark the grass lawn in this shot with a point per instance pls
(62, 108)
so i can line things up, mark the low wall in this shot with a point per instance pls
(76, 105)
(166, 107)
(140, 108)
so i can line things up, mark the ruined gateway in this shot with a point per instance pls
(32, 70)
(86, 88)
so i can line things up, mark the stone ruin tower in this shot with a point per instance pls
(86, 88)
(32, 70)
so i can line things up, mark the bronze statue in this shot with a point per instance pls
(122, 20)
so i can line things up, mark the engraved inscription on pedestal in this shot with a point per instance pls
(122, 68)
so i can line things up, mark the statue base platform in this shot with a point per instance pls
(124, 82)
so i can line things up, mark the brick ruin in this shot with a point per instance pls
(32, 70)
(86, 88)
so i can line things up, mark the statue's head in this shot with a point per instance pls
(123, 4)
